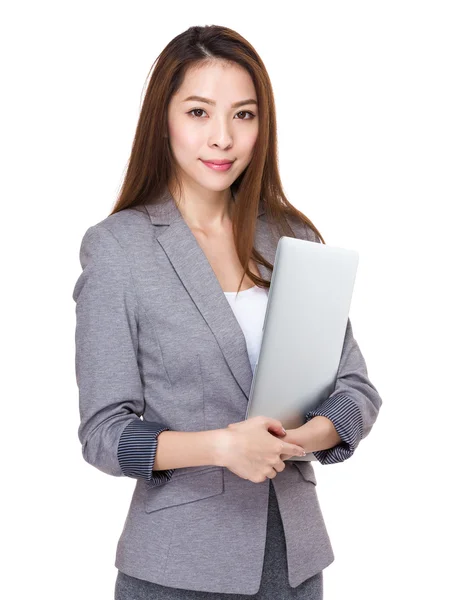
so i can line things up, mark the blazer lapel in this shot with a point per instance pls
(200, 281)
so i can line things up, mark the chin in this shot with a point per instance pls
(215, 186)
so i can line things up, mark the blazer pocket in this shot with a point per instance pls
(185, 488)
(306, 470)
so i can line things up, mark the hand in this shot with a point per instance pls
(318, 433)
(293, 436)
(250, 449)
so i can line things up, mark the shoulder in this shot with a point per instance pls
(298, 228)
(124, 223)
(301, 230)
(120, 228)
(117, 239)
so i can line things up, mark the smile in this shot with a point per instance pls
(215, 167)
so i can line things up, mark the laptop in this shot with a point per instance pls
(303, 332)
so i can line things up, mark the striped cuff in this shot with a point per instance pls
(137, 448)
(347, 420)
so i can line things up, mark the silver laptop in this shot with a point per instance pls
(304, 328)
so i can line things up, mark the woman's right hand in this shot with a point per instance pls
(252, 452)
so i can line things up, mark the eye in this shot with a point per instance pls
(193, 116)
(193, 111)
(241, 112)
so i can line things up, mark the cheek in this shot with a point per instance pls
(252, 138)
(250, 145)
(185, 141)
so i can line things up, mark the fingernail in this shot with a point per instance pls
(283, 430)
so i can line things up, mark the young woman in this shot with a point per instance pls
(166, 347)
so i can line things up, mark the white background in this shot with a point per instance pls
(375, 106)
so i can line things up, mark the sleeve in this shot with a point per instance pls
(354, 404)
(114, 438)
(352, 407)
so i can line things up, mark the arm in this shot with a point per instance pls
(190, 449)
(352, 408)
(317, 433)
(113, 437)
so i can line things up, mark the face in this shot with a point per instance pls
(211, 128)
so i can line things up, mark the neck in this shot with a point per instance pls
(204, 209)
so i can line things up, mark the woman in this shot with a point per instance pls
(162, 334)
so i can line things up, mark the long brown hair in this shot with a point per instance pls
(151, 165)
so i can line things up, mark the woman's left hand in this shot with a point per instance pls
(292, 436)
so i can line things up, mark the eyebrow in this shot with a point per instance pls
(213, 103)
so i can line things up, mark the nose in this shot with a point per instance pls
(220, 134)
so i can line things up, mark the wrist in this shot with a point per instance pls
(319, 433)
(220, 444)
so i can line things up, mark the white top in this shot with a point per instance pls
(249, 307)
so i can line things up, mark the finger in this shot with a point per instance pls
(275, 425)
(296, 450)
(285, 456)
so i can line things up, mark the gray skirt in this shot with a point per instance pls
(274, 584)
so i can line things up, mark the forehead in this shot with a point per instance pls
(220, 81)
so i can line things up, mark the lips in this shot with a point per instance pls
(218, 162)
(221, 165)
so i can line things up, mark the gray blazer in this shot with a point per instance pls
(159, 348)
